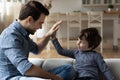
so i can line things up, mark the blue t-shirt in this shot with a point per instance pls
(88, 63)
(15, 46)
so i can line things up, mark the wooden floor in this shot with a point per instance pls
(108, 51)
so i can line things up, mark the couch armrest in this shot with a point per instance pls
(114, 66)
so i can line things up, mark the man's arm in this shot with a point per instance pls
(39, 72)
(44, 41)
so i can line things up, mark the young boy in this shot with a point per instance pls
(88, 61)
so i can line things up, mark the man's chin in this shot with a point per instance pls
(32, 33)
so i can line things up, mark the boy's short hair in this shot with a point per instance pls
(92, 36)
(34, 9)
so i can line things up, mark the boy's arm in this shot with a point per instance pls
(43, 42)
(104, 68)
(58, 47)
(61, 50)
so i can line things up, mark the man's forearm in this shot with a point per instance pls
(43, 42)
(35, 71)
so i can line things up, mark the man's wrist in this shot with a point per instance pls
(52, 38)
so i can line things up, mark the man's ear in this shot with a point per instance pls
(29, 19)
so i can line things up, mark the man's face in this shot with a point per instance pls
(34, 25)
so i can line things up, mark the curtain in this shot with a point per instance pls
(8, 12)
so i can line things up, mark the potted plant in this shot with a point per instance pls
(110, 7)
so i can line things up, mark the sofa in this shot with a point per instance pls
(47, 64)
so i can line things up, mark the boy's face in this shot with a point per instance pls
(82, 44)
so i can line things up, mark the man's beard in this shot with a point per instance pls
(30, 31)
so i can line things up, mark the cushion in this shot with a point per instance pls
(55, 62)
(36, 61)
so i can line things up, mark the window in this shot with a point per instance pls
(86, 1)
(117, 1)
(96, 1)
(108, 1)
(14, 0)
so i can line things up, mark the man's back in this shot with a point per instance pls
(6, 67)
(14, 52)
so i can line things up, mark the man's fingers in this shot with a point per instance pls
(57, 24)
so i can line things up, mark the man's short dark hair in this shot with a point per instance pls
(34, 9)
(92, 36)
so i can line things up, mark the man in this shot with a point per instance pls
(15, 46)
